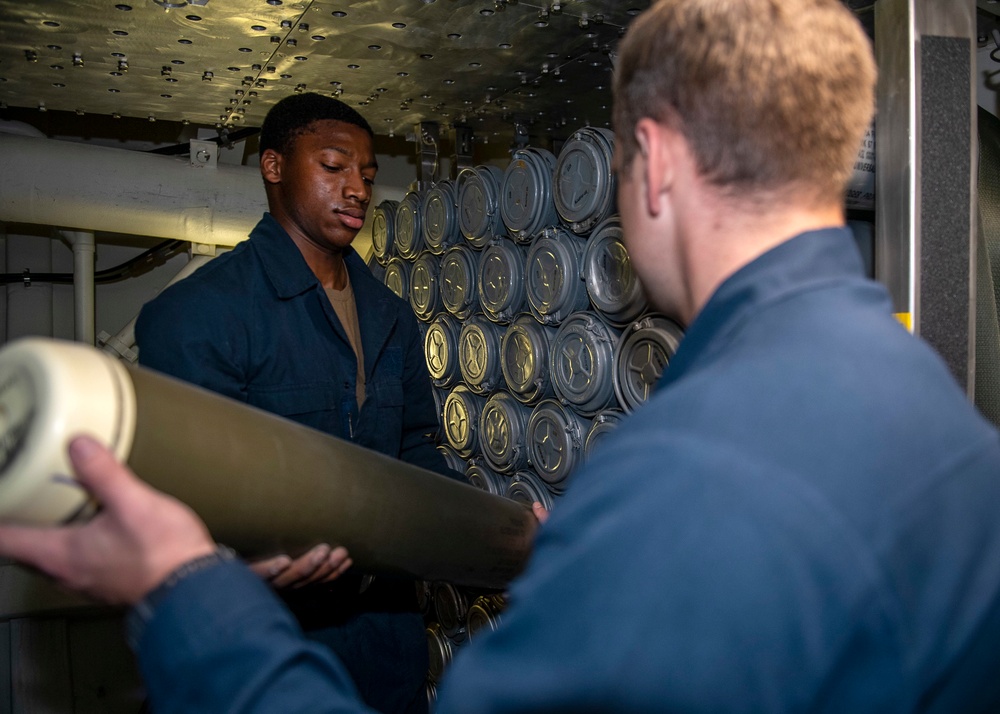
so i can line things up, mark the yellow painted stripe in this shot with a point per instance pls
(906, 318)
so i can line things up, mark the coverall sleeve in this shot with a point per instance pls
(220, 641)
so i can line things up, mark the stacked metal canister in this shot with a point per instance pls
(538, 338)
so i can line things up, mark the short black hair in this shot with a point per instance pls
(292, 116)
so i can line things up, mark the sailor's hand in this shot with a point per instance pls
(135, 541)
(321, 564)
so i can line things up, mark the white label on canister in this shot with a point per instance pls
(861, 189)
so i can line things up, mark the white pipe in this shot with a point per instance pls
(9, 126)
(97, 188)
(84, 286)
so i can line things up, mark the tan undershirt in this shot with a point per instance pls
(347, 312)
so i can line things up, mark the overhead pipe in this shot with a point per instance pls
(156, 255)
(97, 188)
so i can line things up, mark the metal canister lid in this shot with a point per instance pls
(479, 354)
(461, 420)
(584, 182)
(479, 204)
(606, 421)
(439, 651)
(459, 275)
(483, 477)
(440, 217)
(581, 363)
(526, 193)
(384, 231)
(503, 428)
(483, 616)
(644, 351)
(555, 285)
(612, 285)
(524, 359)
(409, 229)
(441, 350)
(451, 457)
(555, 441)
(397, 277)
(527, 488)
(425, 287)
(501, 280)
(450, 608)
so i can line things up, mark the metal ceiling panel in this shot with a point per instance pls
(500, 67)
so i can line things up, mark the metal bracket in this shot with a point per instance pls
(118, 346)
(428, 138)
(461, 157)
(204, 154)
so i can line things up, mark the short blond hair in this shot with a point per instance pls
(770, 94)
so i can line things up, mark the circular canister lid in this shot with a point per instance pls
(397, 277)
(479, 204)
(644, 351)
(581, 363)
(425, 289)
(451, 457)
(459, 272)
(384, 231)
(584, 182)
(479, 354)
(524, 359)
(606, 421)
(483, 616)
(555, 441)
(612, 285)
(526, 193)
(439, 651)
(409, 229)
(555, 285)
(483, 477)
(527, 488)
(450, 607)
(440, 217)
(503, 432)
(501, 280)
(441, 350)
(461, 420)
(51, 391)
